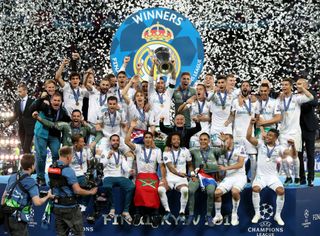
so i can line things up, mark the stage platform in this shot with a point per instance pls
(301, 214)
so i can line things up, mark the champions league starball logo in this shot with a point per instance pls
(145, 31)
(266, 211)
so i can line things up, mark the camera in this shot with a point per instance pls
(94, 176)
(43, 193)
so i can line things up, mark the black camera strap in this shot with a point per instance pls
(18, 182)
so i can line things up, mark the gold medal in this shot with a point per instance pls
(80, 167)
(223, 107)
(162, 106)
(77, 103)
(117, 166)
(175, 166)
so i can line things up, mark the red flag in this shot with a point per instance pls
(146, 193)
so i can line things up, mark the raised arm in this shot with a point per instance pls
(86, 84)
(58, 76)
(128, 142)
(249, 136)
(304, 90)
(125, 63)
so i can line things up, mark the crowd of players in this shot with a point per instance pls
(127, 125)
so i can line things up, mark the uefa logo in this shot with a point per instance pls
(145, 31)
(266, 211)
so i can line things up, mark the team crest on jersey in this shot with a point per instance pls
(146, 30)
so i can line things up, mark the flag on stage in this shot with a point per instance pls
(205, 179)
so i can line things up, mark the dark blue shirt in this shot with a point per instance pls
(66, 191)
(18, 195)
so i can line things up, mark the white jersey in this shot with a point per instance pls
(200, 108)
(235, 92)
(123, 107)
(160, 103)
(112, 122)
(116, 165)
(97, 105)
(179, 159)
(242, 117)
(268, 109)
(267, 166)
(80, 160)
(143, 117)
(232, 158)
(290, 123)
(73, 98)
(220, 113)
(147, 159)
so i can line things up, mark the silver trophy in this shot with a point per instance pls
(164, 65)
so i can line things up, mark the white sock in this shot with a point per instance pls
(163, 197)
(280, 203)
(256, 202)
(285, 167)
(296, 166)
(253, 165)
(235, 205)
(217, 206)
(183, 199)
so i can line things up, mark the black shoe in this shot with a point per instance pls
(155, 221)
(181, 218)
(41, 182)
(288, 181)
(303, 182)
(136, 220)
(91, 219)
(296, 181)
(310, 183)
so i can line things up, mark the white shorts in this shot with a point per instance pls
(283, 138)
(176, 181)
(270, 181)
(105, 142)
(237, 181)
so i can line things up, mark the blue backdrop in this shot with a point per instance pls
(301, 214)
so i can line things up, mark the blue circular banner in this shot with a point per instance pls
(146, 30)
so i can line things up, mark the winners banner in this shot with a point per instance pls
(145, 31)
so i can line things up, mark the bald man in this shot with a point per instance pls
(309, 125)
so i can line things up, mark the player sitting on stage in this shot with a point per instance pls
(175, 161)
(235, 180)
(267, 175)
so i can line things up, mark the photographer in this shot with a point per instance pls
(65, 186)
(21, 191)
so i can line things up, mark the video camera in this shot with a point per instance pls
(93, 176)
